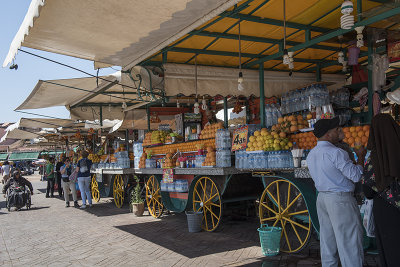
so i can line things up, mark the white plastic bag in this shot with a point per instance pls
(368, 220)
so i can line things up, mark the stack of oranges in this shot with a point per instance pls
(356, 135)
(304, 140)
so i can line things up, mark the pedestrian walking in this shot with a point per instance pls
(59, 164)
(381, 183)
(5, 170)
(83, 169)
(49, 173)
(67, 185)
(334, 175)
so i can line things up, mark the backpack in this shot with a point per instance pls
(83, 166)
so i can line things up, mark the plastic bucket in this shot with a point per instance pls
(194, 221)
(270, 239)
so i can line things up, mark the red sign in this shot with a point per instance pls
(239, 138)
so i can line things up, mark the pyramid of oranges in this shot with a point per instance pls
(304, 140)
(356, 135)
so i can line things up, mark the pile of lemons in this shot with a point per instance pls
(268, 141)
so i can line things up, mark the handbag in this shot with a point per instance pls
(73, 177)
(368, 219)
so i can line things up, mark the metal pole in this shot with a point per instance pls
(370, 91)
(318, 73)
(101, 115)
(359, 10)
(127, 140)
(225, 112)
(262, 95)
(148, 117)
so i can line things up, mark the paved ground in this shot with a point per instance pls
(52, 235)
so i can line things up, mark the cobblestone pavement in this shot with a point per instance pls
(51, 235)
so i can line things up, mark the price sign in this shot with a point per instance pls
(239, 140)
(168, 175)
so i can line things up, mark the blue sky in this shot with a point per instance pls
(15, 86)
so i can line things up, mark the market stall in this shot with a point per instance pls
(243, 90)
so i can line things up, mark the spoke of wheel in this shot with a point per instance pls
(275, 223)
(297, 234)
(278, 196)
(212, 218)
(205, 187)
(291, 203)
(273, 198)
(209, 209)
(266, 206)
(202, 187)
(298, 212)
(205, 217)
(287, 239)
(155, 199)
(215, 205)
(288, 196)
(216, 194)
(196, 201)
(268, 219)
(299, 225)
(198, 194)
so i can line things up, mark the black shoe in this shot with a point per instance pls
(67, 205)
(76, 205)
(47, 196)
(52, 196)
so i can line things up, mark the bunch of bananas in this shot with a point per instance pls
(94, 158)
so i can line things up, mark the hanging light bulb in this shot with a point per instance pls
(124, 106)
(360, 41)
(204, 104)
(347, 20)
(240, 82)
(240, 79)
(177, 104)
(109, 107)
(196, 108)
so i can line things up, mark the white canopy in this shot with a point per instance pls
(110, 32)
(43, 123)
(180, 79)
(19, 134)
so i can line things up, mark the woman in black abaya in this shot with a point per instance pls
(381, 183)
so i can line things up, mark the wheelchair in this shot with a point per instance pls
(18, 197)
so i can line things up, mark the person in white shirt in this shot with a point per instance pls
(5, 169)
(335, 175)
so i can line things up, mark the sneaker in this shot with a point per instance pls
(67, 205)
(52, 196)
(47, 196)
(76, 205)
(83, 207)
(90, 205)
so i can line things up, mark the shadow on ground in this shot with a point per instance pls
(171, 232)
(107, 209)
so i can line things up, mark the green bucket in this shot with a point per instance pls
(270, 239)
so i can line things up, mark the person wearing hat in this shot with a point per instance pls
(335, 175)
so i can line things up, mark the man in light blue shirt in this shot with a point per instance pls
(334, 175)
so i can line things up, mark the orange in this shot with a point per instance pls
(347, 134)
(358, 128)
(346, 129)
(366, 134)
(352, 129)
(345, 140)
(350, 140)
(364, 140)
(365, 128)
(354, 134)
(360, 133)
(357, 140)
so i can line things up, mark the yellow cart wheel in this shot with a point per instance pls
(118, 190)
(95, 189)
(282, 205)
(207, 199)
(153, 197)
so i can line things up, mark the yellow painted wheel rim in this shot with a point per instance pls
(95, 189)
(118, 190)
(207, 199)
(281, 205)
(153, 197)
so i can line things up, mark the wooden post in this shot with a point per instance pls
(262, 94)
